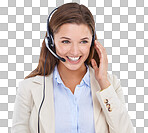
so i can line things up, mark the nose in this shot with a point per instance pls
(74, 49)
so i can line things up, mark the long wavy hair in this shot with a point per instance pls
(66, 13)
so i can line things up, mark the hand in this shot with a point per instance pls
(101, 72)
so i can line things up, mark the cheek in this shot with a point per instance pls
(86, 50)
(61, 49)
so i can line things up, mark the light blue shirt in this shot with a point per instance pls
(73, 112)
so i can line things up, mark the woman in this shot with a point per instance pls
(80, 96)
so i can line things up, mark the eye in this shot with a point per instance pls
(84, 42)
(65, 41)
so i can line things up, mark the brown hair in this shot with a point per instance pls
(67, 13)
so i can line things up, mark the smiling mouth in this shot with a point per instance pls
(74, 58)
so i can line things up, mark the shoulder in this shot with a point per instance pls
(114, 80)
(26, 81)
(112, 77)
(26, 86)
(31, 81)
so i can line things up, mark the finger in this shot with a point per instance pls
(94, 64)
(98, 49)
(99, 45)
(101, 49)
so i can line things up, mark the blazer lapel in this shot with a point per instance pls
(47, 119)
(96, 105)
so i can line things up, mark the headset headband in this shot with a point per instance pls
(48, 28)
(49, 31)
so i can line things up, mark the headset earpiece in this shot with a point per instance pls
(49, 40)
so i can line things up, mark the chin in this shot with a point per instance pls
(74, 67)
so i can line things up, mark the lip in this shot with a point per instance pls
(74, 62)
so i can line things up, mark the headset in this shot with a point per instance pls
(49, 41)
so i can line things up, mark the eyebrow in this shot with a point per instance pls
(70, 39)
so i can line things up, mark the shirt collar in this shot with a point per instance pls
(86, 78)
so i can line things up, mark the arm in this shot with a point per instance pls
(22, 110)
(114, 108)
(111, 96)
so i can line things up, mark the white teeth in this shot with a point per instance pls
(74, 58)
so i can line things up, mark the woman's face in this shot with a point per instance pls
(73, 43)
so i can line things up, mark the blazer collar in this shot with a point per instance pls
(47, 111)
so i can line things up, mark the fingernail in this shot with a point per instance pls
(94, 63)
(97, 45)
